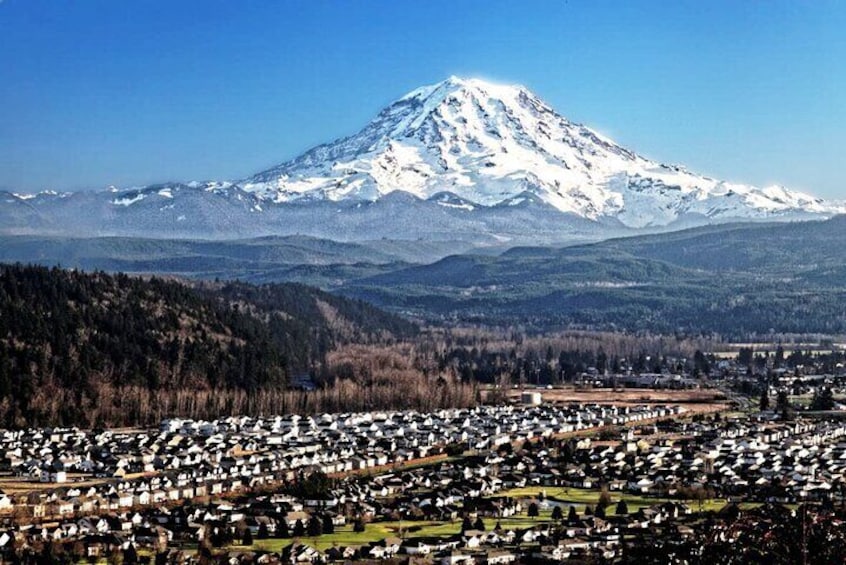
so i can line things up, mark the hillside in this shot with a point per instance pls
(75, 333)
(780, 248)
(734, 279)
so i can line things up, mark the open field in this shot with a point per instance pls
(626, 395)
(345, 536)
(698, 400)
(581, 497)
(12, 485)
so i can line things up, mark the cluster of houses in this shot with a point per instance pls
(213, 484)
(448, 491)
(756, 459)
(107, 471)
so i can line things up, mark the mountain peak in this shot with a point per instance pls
(480, 140)
(489, 143)
(462, 158)
(456, 83)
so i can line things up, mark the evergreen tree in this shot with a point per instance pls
(783, 405)
(315, 527)
(778, 361)
(557, 513)
(299, 529)
(823, 399)
(765, 399)
(572, 515)
(328, 524)
(701, 366)
(130, 554)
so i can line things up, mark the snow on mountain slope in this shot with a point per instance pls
(491, 144)
(463, 160)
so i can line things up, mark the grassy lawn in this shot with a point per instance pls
(344, 535)
(580, 497)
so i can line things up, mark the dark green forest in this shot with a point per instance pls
(79, 336)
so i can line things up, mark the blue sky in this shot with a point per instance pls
(122, 92)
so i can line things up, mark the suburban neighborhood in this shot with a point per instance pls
(533, 480)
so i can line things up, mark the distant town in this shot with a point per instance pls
(538, 477)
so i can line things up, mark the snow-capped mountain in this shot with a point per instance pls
(462, 160)
(489, 144)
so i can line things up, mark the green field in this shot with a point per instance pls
(581, 497)
(376, 531)
(578, 497)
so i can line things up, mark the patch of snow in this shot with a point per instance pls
(461, 206)
(128, 200)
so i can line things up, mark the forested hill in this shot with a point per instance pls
(66, 331)
(734, 279)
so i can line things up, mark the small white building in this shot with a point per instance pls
(531, 398)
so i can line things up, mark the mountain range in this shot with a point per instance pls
(473, 202)
(462, 162)
(736, 279)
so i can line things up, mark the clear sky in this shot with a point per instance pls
(127, 92)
